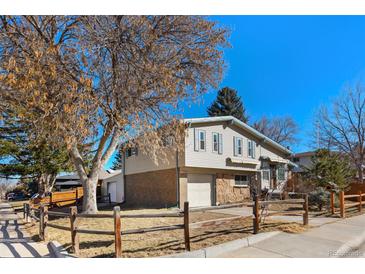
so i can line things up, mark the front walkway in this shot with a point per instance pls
(14, 242)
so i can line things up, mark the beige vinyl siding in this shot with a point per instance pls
(144, 163)
(209, 159)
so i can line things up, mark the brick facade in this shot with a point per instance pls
(227, 192)
(155, 189)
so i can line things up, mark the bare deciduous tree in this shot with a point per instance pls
(106, 79)
(342, 126)
(279, 129)
(4, 187)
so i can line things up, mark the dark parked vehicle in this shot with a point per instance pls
(16, 197)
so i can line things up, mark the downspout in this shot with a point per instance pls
(124, 178)
(177, 179)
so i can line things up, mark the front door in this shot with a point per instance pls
(273, 176)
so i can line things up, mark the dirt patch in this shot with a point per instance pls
(158, 243)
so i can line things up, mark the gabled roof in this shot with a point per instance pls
(235, 121)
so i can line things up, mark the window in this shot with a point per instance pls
(199, 139)
(295, 159)
(251, 149)
(281, 173)
(237, 146)
(131, 151)
(241, 180)
(265, 174)
(217, 143)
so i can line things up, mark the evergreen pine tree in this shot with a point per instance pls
(228, 103)
(117, 163)
(330, 169)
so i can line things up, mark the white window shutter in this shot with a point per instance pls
(196, 139)
(220, 144)
(234, 146)
(254, 149)
(248, 147)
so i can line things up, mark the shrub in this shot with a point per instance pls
(319, 198)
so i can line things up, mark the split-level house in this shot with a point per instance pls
(222, 161)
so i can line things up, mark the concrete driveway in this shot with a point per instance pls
(237, 211)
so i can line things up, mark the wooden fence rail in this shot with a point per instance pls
(74, 217)
(258, 205)
(344, 205)
(117, 232)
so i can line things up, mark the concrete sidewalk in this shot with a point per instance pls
(335, 239)
(14, 242)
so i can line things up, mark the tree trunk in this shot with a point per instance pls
(46, 182)
(89, 199)
(361, 174)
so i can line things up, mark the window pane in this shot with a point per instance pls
(281, 173)
(239, 146)
(215, 142)
(202, 140)
(241, 180)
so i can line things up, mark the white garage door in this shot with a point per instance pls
(199, 190)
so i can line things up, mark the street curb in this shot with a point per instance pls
(350, 246)
(215, 251)
(57, 250)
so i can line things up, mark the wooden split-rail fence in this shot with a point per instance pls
(30, 215)
(259, 205)
(342, 202)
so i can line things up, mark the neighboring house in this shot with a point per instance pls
(223, 160)
(110, 181)
(303, 160)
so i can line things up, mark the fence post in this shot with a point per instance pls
(360, 201)
(45, 222)
(117, 232)
(342, 204)
(24, 211)
(306, 210)
(41, 222)
(256, 215)
(31, 213)
(73, 225)
(186, 226)
(332, 202)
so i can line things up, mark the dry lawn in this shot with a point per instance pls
(17, 204)
(158, 243)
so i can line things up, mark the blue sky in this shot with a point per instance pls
(290, 65)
